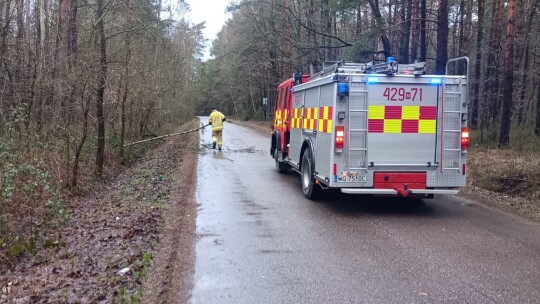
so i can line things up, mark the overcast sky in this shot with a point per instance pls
(210, 11)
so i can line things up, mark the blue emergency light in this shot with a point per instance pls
(372, 79)
(436, 81)
(342, 89)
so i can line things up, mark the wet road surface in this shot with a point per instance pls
(260, 241)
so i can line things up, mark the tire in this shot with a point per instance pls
(281, 167)
(273, 146)
(309, 188)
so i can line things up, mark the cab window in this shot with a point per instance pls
(286, 99)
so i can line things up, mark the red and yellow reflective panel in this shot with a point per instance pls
(296, 120)
(402, 119)
(325, 119)
(277, 119)
(310, 118)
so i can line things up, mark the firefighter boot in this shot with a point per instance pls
(214, 142)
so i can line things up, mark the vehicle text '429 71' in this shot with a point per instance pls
(402, 94)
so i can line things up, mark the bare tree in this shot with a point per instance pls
(475, 88)
(492, 65)
(506, 117)
(375, 9)
(442, 37)
(101, 45)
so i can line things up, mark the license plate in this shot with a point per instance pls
(351, 177)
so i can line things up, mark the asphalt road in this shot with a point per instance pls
(260, 241)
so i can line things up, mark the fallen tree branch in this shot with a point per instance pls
(165, 136)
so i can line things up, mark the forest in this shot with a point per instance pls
(80, 79)
(266, 41)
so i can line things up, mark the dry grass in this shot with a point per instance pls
(506, 179)
(506, 171)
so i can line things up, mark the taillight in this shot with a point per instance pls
(465, 138)
(340, 136)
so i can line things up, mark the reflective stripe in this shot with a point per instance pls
(392, 126)
(296, 121)
(410, 113)
(402, 119)
(427, 126)
(277, 119)
(376, 112)
(311, 116)
(325, 119)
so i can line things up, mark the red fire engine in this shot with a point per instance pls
(366, 128)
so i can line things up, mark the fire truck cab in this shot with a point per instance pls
(366, 128)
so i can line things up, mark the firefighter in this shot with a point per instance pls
(216, 119)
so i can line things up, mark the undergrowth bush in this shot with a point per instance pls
(30, 204)
(35, 182)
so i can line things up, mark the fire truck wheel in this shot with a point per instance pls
(280, 166)
(273, 146)
(310, 189)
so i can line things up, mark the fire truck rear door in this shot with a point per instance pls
(402, 121)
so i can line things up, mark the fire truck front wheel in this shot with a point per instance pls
(281, 167)
(310, 189)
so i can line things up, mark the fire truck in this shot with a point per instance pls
(381, 129)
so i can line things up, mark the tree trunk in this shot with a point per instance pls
(525, 33)
(314, 57)
(468, 26)
(523, 88)
(327, 26)
(374, 4)
(102, 78)
(406, 31)
(19, 70)
(42, 37)
(442, 37)
(416, 28)
(126, 81)
(461, 45)
(475, 95)
(287, 68)
(358, 20)
(78, 149)
(423, 30)
(61, 39)
(492, 70)
(537, 127)
(72, 28)
(506, 117)
(5, 29)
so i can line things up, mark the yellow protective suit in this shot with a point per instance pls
(216, 119)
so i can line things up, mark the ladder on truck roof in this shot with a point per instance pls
(388, 68)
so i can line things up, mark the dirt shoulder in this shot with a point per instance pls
(498, 179)
(132, 238)
(168, 281)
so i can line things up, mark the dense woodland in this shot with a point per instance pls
(266, 41)
(78, 79)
